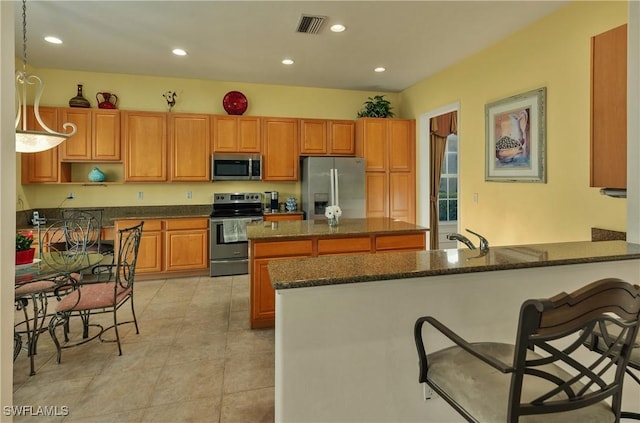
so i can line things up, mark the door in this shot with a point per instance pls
(351, 186)
(316, 186)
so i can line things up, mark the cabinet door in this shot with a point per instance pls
(374, 139)
(187, 249)
(225, 134)
(263, 297)
(249, 140)
(342, 137)
(402, 196)
(106, 140)
(280, 149)
(78, 147)
(42, 166)
(145, 146)
(401, 145)
(377, 197)
(189, 140)
(313, 136)
(150, 252)
(609, 109)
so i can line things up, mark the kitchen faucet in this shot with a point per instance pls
(484, 244)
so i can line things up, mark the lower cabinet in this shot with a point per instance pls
(171, 246)
(263, 303)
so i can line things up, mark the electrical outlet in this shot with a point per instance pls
(475, 197)
(140, 195)
(71, 196)
(188, 195)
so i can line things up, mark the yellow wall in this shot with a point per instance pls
(137, 92)
(554, 53)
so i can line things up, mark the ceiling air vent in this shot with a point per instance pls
(310, 24)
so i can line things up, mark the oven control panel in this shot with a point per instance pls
(237, 197)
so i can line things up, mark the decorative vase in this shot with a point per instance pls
(79, 100)
(25, 256)
(332, 221)
(291, 204)
(96, 175)
(109, 101)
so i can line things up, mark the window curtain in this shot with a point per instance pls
(440, 128)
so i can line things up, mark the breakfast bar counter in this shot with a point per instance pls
(344, 324)
(274, 241)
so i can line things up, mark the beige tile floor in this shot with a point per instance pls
(195, 360)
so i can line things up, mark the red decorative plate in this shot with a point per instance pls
(235, 103)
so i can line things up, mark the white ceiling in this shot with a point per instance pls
(246, 40)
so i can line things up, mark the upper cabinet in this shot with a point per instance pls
(320, 137)
(189, 140)
(236, 134)
(43, 166)
(280, 149)
(145, 141)
(609, 109)
(97, 138)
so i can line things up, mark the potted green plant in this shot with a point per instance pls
(377, 107)
(24, 252)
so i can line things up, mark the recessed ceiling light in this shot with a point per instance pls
(287, 62)
(338, 28)
(379, 69)
(53, 40)
(179, 52)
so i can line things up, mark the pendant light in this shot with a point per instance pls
(33, 141)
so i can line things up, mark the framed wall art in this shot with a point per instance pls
(515, 138)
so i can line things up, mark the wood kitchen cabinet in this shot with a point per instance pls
(388, 146)
(262, 299)
(146, 146)
(171, 246)
(189, 140)
(43, 166)
(609, 109)
(280, 217)
(327, 137)
(98, 136)
(280, 149)
(236, 134)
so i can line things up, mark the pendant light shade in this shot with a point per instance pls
(28, 141)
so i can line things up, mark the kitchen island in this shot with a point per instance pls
(274, 241)
(344, 324)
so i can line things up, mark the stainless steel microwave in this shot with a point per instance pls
(236, 167)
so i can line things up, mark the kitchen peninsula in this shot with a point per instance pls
(273, 241)
(344, 324)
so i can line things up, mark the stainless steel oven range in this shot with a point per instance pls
(228, 245)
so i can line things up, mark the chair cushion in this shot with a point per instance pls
(484, 391)
(34, 287)
(93, 296)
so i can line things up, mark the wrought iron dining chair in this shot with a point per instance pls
(598, 342)
(545, 376)
(59, 244)
(90, 298)
(94, 219)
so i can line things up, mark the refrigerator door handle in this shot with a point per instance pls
(333, 193)
(337, 197)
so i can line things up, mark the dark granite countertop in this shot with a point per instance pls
(333, 270)
(320, 228)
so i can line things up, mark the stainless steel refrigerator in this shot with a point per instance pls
(328, 181)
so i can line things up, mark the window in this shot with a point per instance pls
(448, 192)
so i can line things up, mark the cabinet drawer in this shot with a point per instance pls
(344, 245)
(283, 248)
(414, 241)
(194, 223)
(149, 224)
(281, 217)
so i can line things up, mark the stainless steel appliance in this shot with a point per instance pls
(328, 181)
(228, 245)
(236, 167)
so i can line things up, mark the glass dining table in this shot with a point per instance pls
(49, 276)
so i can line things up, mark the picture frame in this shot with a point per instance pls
(516, 138)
